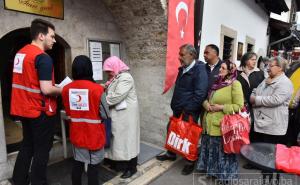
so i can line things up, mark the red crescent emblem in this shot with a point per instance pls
(18, 61)
(79, 98)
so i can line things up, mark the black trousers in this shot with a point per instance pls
(131, 164)
(77, 171)
(122, 165)
(34, 152)
(293, 127)
(273, 139)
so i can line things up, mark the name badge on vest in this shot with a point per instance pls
(79, 99)
(18, 63)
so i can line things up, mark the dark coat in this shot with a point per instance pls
(255, 78)
(213, 75)
(190, 91)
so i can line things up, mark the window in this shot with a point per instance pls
(249, 47)
(250, 44)
(99, 51)
(228, 42)
(240, 50)
(227, 48)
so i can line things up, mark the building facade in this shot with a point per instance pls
(139, 27)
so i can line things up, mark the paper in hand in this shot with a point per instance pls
(122, 105)
(66, 81)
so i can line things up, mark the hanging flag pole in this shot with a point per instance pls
(199, 5)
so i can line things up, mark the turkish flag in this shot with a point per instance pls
(180, 31)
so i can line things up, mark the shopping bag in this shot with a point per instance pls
(183, 137)
(107, 123)
(288, 159)
(235, 129)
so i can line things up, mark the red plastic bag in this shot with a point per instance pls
(288, 159)
(183, 137)
(235, 130)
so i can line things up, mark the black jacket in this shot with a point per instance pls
(213, 75)
(255, 78)
(190, 90)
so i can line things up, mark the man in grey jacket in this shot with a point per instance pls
(270, 102)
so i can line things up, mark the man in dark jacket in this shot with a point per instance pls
(213, 63)
(189, 93)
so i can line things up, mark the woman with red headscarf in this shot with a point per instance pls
(123, 104)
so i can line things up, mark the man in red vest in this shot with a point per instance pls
(33, 100)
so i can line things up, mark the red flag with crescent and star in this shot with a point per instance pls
(180, 31)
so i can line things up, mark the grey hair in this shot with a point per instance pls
(190, 48)
(265, 59)
(280, 62)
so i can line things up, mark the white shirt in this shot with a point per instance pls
(212, 66)
(186, 69)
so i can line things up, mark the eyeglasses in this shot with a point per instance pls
(270, 66)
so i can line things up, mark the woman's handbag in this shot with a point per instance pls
(183, 137)
(235, 129)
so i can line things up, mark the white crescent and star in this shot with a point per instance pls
(182, 6)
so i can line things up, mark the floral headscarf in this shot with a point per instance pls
(224, 81)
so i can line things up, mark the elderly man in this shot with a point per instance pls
(189, 93)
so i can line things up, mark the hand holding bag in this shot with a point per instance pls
(235, 129)
(183, 137)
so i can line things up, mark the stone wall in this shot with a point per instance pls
(143, 25)
(88, 19)
(83, 20)
(142, 28)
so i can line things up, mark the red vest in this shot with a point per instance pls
(27, 99)
(81, 99)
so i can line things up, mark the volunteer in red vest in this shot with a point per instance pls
(33, 100)
(82, 102)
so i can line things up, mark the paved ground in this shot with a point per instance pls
(159, 173)
(247, 177)
(155, 172)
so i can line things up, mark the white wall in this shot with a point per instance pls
(285, 16)
(243, 16)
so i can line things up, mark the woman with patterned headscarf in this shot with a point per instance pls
(224, 97)
(123, 104)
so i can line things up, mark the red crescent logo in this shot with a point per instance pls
(79, 98)
(18, 61)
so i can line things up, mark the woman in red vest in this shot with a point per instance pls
(81, 99)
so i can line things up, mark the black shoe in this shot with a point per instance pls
(188, 169)
(128, 174)
(165, 157)
(201, 171)
(249, 166)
